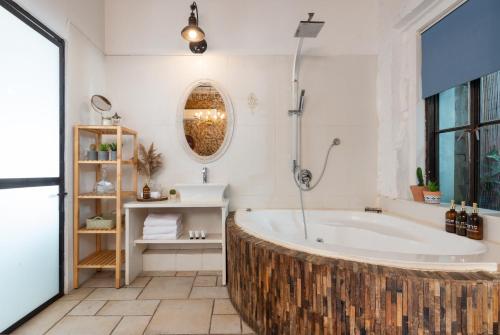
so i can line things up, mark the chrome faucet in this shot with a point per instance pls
(204, 175)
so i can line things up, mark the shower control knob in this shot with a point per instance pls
(305, 177)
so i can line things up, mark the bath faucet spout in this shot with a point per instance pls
(204, 175)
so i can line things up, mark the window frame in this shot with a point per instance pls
(433, 132)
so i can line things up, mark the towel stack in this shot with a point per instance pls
(162, 227)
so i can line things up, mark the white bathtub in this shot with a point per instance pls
(369, 237)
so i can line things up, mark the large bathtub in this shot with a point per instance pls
(358, 273)
(370, 237)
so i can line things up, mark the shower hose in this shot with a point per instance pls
(305, 188)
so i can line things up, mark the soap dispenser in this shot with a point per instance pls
(461, 222)
(475, 224)
(450, 217)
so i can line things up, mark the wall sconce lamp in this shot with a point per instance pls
(193, 33)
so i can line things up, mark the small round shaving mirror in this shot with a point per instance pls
(102, 105)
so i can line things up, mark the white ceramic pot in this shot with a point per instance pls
(432, 197)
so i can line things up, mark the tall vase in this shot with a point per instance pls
(146, 192)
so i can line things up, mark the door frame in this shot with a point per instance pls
(10, 183)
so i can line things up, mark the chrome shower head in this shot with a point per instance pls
(309, 28)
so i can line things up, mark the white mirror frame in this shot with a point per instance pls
(229, 119)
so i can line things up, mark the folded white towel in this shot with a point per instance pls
(172, 236)
(151, 230)
(163, 220)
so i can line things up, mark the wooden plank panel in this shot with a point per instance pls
(281, 291)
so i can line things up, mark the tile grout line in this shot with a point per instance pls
(112, 330)
(59, 320)
(105, 303)
(211, 316)
(156, 309)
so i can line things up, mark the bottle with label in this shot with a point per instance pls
(461, 222)
(450, 218)
(475, 224)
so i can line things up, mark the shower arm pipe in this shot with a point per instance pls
(295, 106)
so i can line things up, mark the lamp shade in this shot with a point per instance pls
(193, 33)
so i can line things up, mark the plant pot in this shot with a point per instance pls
(103, 155)
(92, 155)
(432, 197)
(112, 155)
(417, 192)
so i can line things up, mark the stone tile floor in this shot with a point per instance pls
(155, 303)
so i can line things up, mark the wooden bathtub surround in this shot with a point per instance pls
(281, 291)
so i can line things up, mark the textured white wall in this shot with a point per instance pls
(400, 108)
(340, 92)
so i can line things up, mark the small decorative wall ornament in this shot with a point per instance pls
(253, 102)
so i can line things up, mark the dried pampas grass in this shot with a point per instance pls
(149, 162)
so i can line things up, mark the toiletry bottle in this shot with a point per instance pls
(450, 217)
(475, 224)
(461, 222)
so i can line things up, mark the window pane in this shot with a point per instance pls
(490, 97)
(454, 165)
(29, 101)
(454, 107)
(489, 169)
(29, 250)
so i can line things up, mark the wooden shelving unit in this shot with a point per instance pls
(101, 259)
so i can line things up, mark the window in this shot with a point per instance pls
(463, 141)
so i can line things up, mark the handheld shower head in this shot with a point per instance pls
(309, 28)
(301, 101)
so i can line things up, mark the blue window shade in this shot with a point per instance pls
(463, 46)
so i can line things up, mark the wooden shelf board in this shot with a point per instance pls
(107, 130)
(100, 259)
(93, 195)
(96, 231)
(88, 162)
(184, 239)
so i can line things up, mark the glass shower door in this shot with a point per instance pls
(31, 165)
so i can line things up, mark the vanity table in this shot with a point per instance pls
(181, 254)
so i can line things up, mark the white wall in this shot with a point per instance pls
(400, 109)
(149, 67)
(81, 24)
(340, 92)
(249, 27)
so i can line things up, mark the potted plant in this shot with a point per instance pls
(432, 195)
(173, 194)
(112, 151)
(103, 154)
(149, 162)
(92, 153)
(418, 190)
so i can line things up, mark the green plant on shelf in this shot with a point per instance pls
(173, 192)
(433, 186)
(113, 146)
(103, 147)
(420, 177)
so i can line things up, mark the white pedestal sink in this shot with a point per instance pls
(201, 192)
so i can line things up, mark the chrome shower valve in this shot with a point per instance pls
(305, 177)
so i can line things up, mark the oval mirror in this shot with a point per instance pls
(205, 121)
